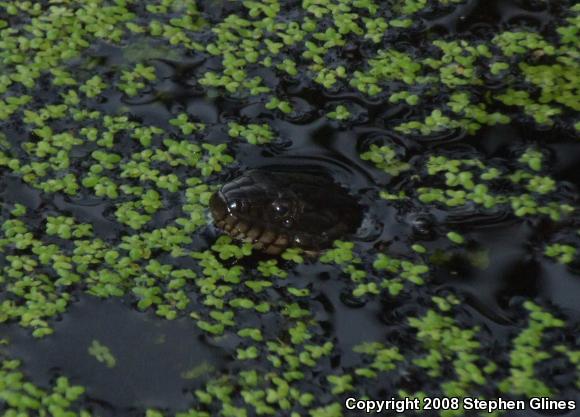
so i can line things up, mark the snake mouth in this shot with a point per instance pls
(263, 239)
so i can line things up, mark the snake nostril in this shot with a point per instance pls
(232, 206)
(218, 207)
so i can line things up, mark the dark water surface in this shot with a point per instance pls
(155, 355)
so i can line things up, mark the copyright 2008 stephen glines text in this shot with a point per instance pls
(456, 403)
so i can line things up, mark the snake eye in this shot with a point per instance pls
(281, 208)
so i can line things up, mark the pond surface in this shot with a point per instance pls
(455, 124)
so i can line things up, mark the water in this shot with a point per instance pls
(153, 355)
(155, 359)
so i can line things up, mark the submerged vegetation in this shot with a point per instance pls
(120, 119)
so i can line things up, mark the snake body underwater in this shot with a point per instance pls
(279, 209)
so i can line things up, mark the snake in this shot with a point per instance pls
(277, 209)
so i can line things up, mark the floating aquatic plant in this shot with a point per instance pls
(73, 136)
(102, 353)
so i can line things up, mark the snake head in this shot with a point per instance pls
(277, 209)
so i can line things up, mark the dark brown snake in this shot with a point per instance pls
(279, 209)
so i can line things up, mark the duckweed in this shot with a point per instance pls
(108, 164)
(102, 354)
(385, 158)
(255, 134)
(562, 253)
